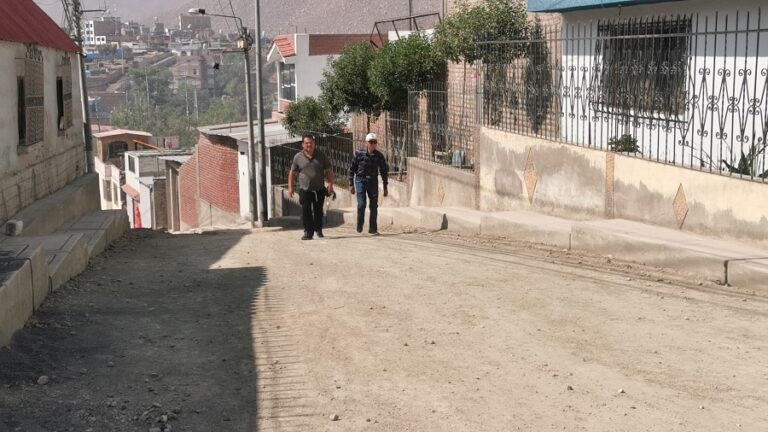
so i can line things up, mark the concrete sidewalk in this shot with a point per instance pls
(723, 261)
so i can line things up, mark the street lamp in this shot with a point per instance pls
(258, 200)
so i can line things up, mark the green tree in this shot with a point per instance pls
(403, 65)
(310, 115)
(106, 50)
(345, 85)
(457, 36)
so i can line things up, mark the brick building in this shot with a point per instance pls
(209, 184)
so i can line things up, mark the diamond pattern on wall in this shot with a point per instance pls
(441, 192)
(680, 206)
(530, 176)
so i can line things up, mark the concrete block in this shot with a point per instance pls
(16, 296)
(67, 258)
(35, 255)
(702, 256)
(66, 254)
(463, 221)
(749, 273)
(14, 227)
(527, 226)
(48, 214)
(95, 240)
(119, 225)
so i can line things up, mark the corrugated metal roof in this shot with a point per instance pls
(570, 5)
(24, 22)
(118, 131)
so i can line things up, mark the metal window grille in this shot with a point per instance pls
(690, 91)
(34, 102)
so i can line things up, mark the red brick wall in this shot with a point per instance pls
(188, 200)
(219, 183)
(215, 161)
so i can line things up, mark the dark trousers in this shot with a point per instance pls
(312, 210)
(367, 186)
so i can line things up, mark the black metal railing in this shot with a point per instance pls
(338, 148)
(685, 90)
(441, 122)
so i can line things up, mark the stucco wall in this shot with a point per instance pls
(436, 185)
(43, 168)
(518, 172)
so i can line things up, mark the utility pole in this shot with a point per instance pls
(410, 14)
(263, 214)
(74, 12)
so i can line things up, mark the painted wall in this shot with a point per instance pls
(725, 76)
(434, 185)
(518, 172)
(43, 168)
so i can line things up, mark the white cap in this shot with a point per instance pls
(371, 137)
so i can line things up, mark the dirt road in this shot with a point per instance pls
(239, 331)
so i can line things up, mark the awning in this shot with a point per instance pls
(133, 193)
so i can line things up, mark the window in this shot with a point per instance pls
(115, 195)
(132, 164)
(60, 103)
(643, 65)
(31, 109)
(21, 110)
(107, 190)
(288, 82)
(117, 149)
(64, 94)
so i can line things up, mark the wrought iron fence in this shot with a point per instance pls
(338, 148)
(441, 121)
(391, 128)
(437, 127)
(685, 90)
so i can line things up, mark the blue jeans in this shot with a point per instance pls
(367, 186)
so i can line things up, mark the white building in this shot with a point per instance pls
(41, 128)
(110, 148)
(144, 187)
(684, 82)
(300, 59)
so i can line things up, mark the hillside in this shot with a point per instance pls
(312, 16)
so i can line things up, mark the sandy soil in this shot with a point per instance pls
(259, 331)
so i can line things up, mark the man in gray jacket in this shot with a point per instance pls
(312, 166)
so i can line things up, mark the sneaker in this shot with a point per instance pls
(374, 234)
(306, 236)
(360, 228)
(319, 234)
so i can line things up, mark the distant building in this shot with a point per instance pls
(194, 23)
(194, 71)
(101, 30)
(110, 148)
(145, 186)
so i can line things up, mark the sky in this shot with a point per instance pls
(123, 8)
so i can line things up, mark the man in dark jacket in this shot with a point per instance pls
(364, 173)
(312, 167)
